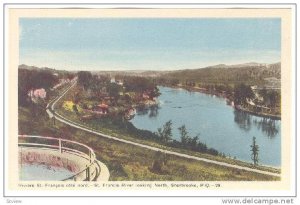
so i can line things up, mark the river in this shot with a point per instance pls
(218, 125)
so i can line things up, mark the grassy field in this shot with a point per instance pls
(128, 162)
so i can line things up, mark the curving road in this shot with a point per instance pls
(51, 110)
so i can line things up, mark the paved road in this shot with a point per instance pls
(51, 108)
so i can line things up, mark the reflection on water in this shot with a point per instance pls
(142, 110)
(267, 126)
(220, 126)
(151, 111)
(243, 119)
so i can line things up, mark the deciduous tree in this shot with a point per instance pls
(165, 133)
(84, 79)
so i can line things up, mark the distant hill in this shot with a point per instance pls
(23, 66)
(250, 73)
(251, 64)
(144, 73)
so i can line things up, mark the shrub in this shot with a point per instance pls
(69, 106)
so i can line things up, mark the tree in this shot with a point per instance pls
(270, 97)
(191, 142)
(69, 75)
(84, 79)
(194, 142)
(154, 93)
(96, 85)
(174, 81)
(44, 79)
(165, 133)
(274, 98)
(242, 93)
(263, 93)
(24, 85)
(254, 151)
(75, 109)
(29, 80)
(114, 89)
(138, 84)
(183, 134)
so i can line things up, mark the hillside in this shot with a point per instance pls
(250, 73)
(52, 70)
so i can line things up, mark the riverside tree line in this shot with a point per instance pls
(193, 143)
(186, 141)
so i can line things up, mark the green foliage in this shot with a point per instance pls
(98, 84)
(193, 143)
(24, 85)
(70, 76)
(254, 151)
(138, 84)
(114, 89)
(274, 98)
(75, 109)
(84, 79)
(31, 80)
(270, 97)
(263, 93)
(165, 133)
(159, 163)
(226, 74)
(183, 134)
(116, 169)
(154, 93)
(43, 79)
(174, 81)
(242, 92)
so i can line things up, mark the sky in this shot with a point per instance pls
(147, 44)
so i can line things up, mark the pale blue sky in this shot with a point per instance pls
(144, 44)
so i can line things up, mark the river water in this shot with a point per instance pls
(219, 126)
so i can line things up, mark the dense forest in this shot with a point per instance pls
(245, 73)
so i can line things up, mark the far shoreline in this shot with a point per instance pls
(221, 95)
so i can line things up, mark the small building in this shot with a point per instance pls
(119, 82)
(113, 80)
(103, 108)
(37, 94)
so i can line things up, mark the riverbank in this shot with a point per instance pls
(126, 131)
(229, 100)
(259, 114)
(131, 163)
